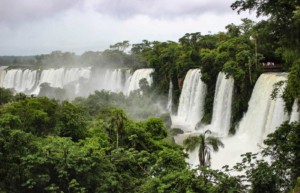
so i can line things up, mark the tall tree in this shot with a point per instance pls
(283, 21)
(205, 143)
(117, 122)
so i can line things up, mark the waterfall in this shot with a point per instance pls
(54, 77)
(20, 80)
(264, 115)
(29, 81)
(295, 115)
(116, 80)
(221, 118)
(170, 98)
(191, 102)
(2, 74)
(139, 75)
(126, 80)
(78, 81)
(61, 77)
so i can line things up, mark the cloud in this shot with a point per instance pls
(17, 11)
(14, 11)
(158, 8)
(41, 26)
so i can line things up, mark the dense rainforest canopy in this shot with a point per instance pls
(99, 144)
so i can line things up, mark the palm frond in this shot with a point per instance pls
(214, 142)
(191, 143)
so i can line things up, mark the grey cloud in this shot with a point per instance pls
(14, 11)
(161, 8)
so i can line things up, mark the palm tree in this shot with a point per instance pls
(206, 143)
(117, 122)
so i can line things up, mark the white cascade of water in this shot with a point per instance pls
(9, 79)
(29, 81)
(53, 76)
(2, 74)
(139, 75)
(170, 98)
(113, 80)
(74, 75)
(295, 115)
(127, 78)
(264, 115)
(20, 80)
(191, 102)
(61, 77)
(221, 118)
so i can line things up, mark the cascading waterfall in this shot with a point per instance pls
(170, 98)
(116, 80)
(61, 77)
(139, 75)
(2, 74)
(30, 81)
(264, 115)
(221, 114)
(55, 77)
(295, 114)
(221, 118)
(20, 80)
(191, 102)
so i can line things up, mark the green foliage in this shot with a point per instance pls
(156, 128)
(138, 106)
(283, 147)
(292, 90)
(5, 96)
(176, 131)
(80, 157)
(14, 145)
(71, 121)
(297, 186)
(36, 115)
(205, 143)
(280, 173)
(282, 26)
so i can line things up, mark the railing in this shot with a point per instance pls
(271, 67)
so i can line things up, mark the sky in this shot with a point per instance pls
(31, 27)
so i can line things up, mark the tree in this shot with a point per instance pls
(280, 172)
(284, 150)
(35, 115)
(292, 90)
(72, 121)
(282, 22)
(156, 128)
(117, 121)
(121, 46)
(5, 96)
(205, 143)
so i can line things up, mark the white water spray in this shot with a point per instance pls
(221, 118)
(191, 102)
(264, 115)
(139, 75)
(295, 115)
(170, 98)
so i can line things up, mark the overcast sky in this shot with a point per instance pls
(29, 27)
